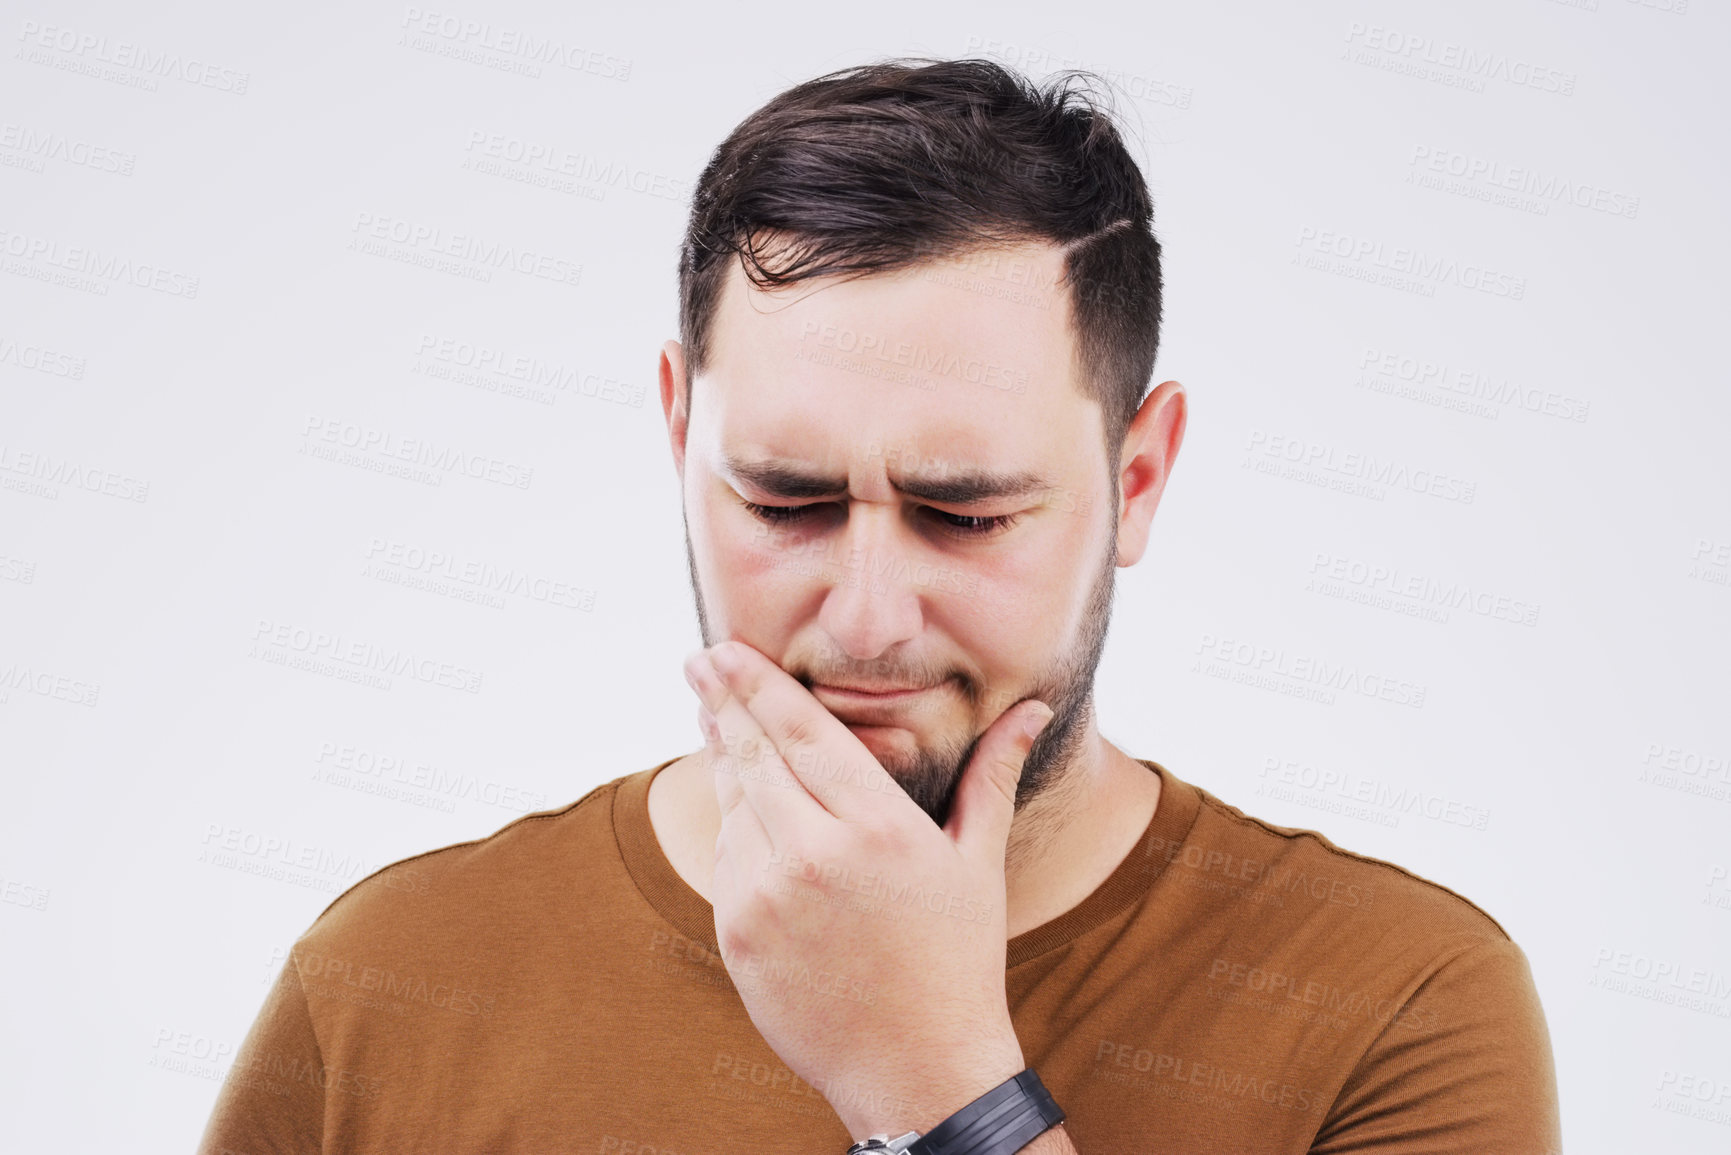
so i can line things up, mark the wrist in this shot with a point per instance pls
(1011, 1116)
(926, 1099)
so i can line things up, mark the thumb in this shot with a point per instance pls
(985, 800)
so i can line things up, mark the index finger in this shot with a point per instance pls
(825, 756)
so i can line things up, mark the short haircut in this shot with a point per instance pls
(883, 166)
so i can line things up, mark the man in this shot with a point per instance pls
(920, 307)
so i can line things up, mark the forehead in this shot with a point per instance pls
(967, 359)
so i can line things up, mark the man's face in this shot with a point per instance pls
(986, 578)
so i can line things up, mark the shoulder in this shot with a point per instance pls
(1423, 1004)
(469, 888)
(1296, 874)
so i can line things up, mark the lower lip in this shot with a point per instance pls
(861, 696)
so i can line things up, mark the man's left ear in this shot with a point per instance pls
(1150, 449)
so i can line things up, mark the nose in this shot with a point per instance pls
(874, 598)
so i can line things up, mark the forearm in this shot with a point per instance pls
(1053, 1142)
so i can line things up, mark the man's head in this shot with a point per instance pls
(920, 305)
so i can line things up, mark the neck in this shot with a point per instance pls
(1063, 844)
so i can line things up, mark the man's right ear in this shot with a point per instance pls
(675, 398)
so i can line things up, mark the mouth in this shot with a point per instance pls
(863, 705)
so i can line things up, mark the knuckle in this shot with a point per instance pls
(1004, 777)
(806, 856)
(733, 940)
(800, 730)
(883, 841)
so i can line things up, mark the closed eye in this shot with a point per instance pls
(962, 525)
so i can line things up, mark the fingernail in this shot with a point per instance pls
(693, 665)
(724, 658)
(1034, 722)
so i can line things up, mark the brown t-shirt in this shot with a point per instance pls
(1231, 987)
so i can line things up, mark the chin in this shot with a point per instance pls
(877, 737)
(892, 746)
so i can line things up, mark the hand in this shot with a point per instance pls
(867, 944)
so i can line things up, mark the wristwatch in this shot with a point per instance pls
(884, 1143)
(1000, 1122)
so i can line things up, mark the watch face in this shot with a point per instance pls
(883, 1143)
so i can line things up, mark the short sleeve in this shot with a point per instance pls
(272, 1102)
(1464, 1065)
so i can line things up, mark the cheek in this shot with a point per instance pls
(1025, 607)
(767, 559)
(752, 561)
(1035, 584)
(1002, 631)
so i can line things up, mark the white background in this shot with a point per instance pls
(162, 517)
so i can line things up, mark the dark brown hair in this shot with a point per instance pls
(882, 166)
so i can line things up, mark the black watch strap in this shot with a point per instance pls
(1000, 1122)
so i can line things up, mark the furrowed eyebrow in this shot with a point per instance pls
(956, 487)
